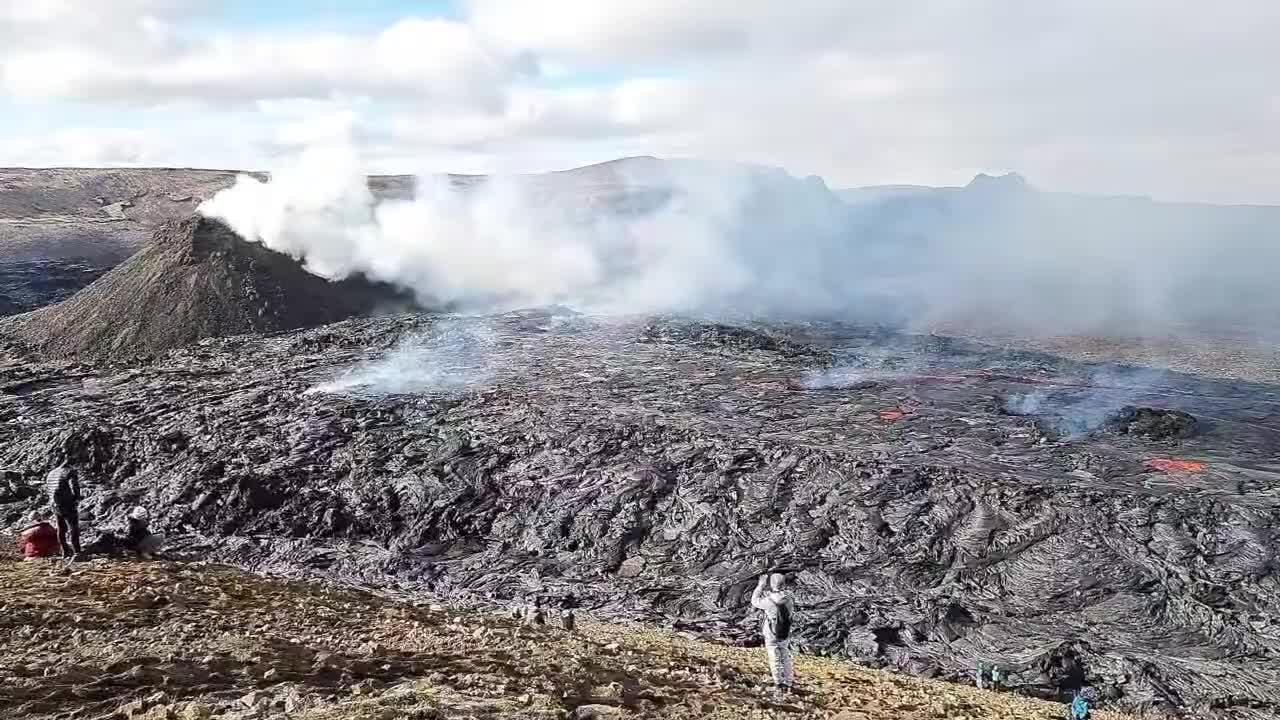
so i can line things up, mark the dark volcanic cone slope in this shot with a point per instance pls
(195, 279)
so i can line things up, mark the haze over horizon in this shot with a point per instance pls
(1139, 97)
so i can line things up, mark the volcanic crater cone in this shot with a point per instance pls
(194, 279)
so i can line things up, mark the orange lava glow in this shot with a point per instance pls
(1174, 465)
(892, 414)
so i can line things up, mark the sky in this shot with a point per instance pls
(1168, 98)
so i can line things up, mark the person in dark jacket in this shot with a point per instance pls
(64, 494)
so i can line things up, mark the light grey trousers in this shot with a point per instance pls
(780, 662)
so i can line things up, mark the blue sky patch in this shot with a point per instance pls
(329, 15)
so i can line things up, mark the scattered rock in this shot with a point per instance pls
(196, 711)
(364, 687)
(631, 567)
(1153, 423)
(160, 712)
(612, 691)
(116, 210)
(597, 712)
(293, 701)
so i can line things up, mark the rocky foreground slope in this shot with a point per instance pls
(197, 641)
(938, 503)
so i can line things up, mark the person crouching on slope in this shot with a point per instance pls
(139, 537)
(778, 610)
(39, 539)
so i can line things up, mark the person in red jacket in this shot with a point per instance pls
(38, 540)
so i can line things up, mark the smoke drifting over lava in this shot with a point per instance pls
(450, 357)
(644, 236)
(499, 244)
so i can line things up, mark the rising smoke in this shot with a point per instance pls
(646, 236)
(452, 356)
(835, 378)
(1072, 412)
(508, 242)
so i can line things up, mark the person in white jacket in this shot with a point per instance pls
(778, 609)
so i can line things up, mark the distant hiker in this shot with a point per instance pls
(778, 610)
(139, 537)
(64, 494)
(988, 676)
(568, 604)
(537, 615)
(1081, 707)
(38, 540)
(996, 677)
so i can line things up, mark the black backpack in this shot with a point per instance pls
(780, 623)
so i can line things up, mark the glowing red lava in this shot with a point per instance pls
(1174, 465)
(893, 414)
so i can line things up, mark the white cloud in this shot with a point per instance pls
(934, 89)
(1154, 96)
(81, 147)
(659, 29)
(422, 59)
(638, 107)
(122, 27)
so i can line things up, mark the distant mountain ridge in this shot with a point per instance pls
(879, 193)
(1037, 261)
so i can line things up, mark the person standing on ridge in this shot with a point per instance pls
(779, 610)
(64, 495)
(568, 604)
(1081, 707)
(997, 675)
(536, 614)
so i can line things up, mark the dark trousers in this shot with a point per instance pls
(68, 530)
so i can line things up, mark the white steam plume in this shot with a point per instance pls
(451, 357)
(645, 236)
(505, 242)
